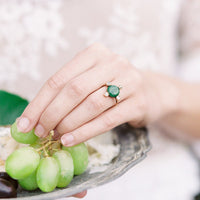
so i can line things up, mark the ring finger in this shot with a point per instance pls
(94, 105)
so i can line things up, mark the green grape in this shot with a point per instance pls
(47, 174)
(79, 155)
(29, 183)
(25, 138)
(36, 145)
(66, 167)
(22, 162)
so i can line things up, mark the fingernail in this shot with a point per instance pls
(39, 130)
(22, 124)
(67, 140)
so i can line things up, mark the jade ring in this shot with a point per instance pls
(113, 91)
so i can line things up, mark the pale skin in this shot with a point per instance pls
(72, 101)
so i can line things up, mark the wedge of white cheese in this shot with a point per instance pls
(102, 149)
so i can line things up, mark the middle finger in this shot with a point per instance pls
(71, 95)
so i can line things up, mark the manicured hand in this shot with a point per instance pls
(72, 101)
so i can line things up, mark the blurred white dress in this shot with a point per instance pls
(38, 36)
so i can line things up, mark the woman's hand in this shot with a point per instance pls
(72, 101)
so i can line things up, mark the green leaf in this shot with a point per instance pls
(11, 107)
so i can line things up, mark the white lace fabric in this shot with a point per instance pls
(190, 41)
(38, 36)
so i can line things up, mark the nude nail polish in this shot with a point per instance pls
(39, 130)
(22, 124)
(67, 140)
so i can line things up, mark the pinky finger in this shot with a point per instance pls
(81, 194)
(113, 117)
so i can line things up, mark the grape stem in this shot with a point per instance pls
(44, 141)
(45, 152)
(44, 146)
(47, 145)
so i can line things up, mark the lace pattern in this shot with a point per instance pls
(28, 28)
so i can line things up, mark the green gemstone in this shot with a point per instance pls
(113, 90)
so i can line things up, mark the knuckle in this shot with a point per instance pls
(96, 46)
(121, 60)
(119, 64)
(95, 103)
(140, 122)
(137, 81)
(137, 124)
(56, 81)
(99, 48)
(138, 78)
(75, 88)
(139, 118)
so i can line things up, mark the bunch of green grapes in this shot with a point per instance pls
(45, 163)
